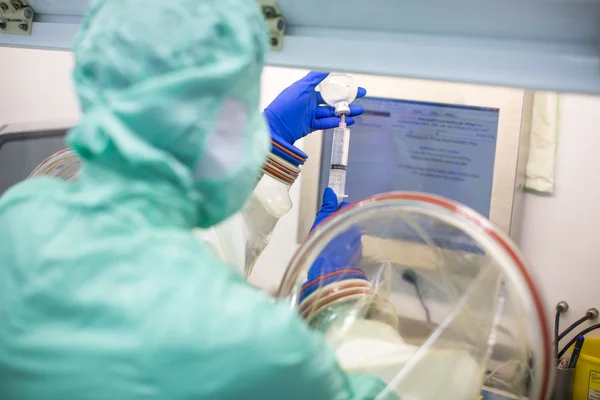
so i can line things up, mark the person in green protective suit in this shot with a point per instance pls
(105, 292)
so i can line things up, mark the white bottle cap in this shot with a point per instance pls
(343, 107)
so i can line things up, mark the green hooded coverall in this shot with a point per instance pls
(105, 292)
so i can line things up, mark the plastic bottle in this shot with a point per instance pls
(339, 90)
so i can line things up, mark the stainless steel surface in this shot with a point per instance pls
(511, 150)
(511, 162)
(562, 306)
(37, 126)
(522, 157)
(309, 184)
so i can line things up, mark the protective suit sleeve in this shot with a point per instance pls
(262, 347)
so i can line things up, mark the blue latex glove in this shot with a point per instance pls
(346, 248)
(328, 207)
(299, 110)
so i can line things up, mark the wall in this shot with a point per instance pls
(36, 86)
(559, 236)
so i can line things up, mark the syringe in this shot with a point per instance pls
(339, 159)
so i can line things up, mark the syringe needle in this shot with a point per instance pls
(343, 121)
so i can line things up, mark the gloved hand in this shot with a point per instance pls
(346, 248)
(299, 110)
(328, 207)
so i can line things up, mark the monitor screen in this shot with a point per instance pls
(442, 149)
(21, 153)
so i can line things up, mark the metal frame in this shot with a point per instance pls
(534, 44)
(511, 150)
(15, 17)
(27, 130)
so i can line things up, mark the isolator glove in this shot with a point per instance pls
(344, 250)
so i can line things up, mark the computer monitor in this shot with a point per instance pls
(464, 142)
(443, 149)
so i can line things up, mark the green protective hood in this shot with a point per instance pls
(173, 107)
(105, 291)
